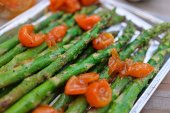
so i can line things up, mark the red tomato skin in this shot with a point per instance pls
(139, 70)
(88, 2)
(103, 41)
(99, 94)
(70, 6)
(55, 4)
(56, 35)
(75, 87)
(28, 38)
(45, 109)
(87, 22)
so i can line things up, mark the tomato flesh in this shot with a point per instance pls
(103, 41)
(99, 93)
(45, 109)
(78, 85)
(88, 77)
(139, 69)
(28, 38)
(74, 86)
(56, 35)
(87, 22)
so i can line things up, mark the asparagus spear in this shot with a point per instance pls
(125, 101)
(46, 22)
(77, 106)
(70, 54)
(62, 101)
(9, 44)
(78, 68)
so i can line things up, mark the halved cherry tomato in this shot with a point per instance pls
(56, 4)
(71, 6)
(28, 38)
(45, 109)
(87, 22)
(56, 35)
(74, 86)
(78, 85)
(103, 41)
(99, 93)
(88, 2)
(139, 69)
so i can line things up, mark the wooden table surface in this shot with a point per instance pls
(160, 100)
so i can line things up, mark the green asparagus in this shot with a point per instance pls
(71, 70)
(62, 101)
(48, 20)
(35, 78)
(77, 106)
(125, 101)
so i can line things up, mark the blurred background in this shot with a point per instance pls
(158, 8)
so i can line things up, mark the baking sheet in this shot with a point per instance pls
(37, 11)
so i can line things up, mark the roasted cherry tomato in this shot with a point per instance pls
(87, 22)
(128, 67)
(88, 2)
(45, 109)
(28, 38)
(103, 41)
(74, 86)
(56, 35)
(71, 6)
(56, 4)
(139, 70)
(78, 85)
(99, 93)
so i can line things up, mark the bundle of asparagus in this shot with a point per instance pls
(38, 72)
(126, 99)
